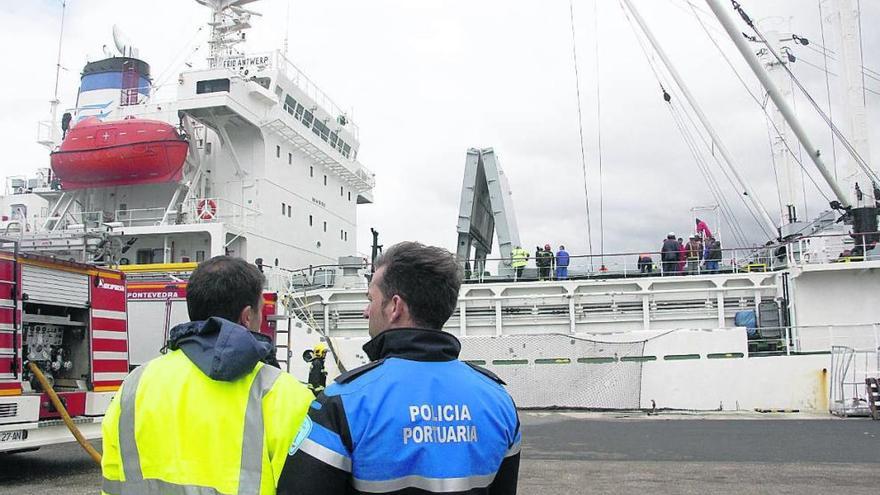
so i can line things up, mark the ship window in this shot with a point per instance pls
(144, 256)
(311, 171)
(277, 151)
(334, 138)
(262, 81)
(289, 104)
(346, 237)
(325, 180)
(208, 148)
(289, 211)
(307, 118)
(341, 234)
(341, 192)
(311, 221)
(325, 226)
(283, 208)
(212, 86)
(200, 256)
(346, 150)
(290, 158)
(298, 114)
(349, 195)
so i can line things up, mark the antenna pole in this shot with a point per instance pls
(60, 39)
(745, 50)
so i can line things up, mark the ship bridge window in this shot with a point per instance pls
(289, 104)
(307, 118)
(346, 150)
(212, 86)
(321, 129)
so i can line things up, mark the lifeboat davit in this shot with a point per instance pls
(119, 153)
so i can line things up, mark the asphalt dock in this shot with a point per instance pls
(579, 452)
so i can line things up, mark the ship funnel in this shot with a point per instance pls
(123, 43)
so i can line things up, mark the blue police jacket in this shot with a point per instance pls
(415, 420)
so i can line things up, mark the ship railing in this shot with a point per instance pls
(621, 265)
(834, 248)
(214, 210)
(138, 217)
(79, 221)
(812, 339)
(298, 77)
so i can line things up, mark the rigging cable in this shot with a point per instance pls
(862, 52)
(599, 132)
(581, 131)
(705, 142)
(651, 63)
(763, 106)
(844, 141)
(828, 86)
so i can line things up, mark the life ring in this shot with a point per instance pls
(206, 209)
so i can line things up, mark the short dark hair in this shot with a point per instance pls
(223, 286)
(427, 278)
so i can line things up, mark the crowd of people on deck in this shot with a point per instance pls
(550, 266)
(701, 254)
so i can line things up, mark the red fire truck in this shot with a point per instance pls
(70, 320)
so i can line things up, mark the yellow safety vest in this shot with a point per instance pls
(519, 257)
(172, 429)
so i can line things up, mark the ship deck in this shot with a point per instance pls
(578, 452)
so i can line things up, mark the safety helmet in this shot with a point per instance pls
(320, 349)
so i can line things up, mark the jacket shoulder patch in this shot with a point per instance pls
(486, 372)
(352, 374)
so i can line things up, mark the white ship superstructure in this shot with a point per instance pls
(271, 172)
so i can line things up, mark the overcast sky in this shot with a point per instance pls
(428, 79)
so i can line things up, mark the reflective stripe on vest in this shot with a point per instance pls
(251, 471)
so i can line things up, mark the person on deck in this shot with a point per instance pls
(669, 254)
(714, 256)
(694, 254)
(645, 263)
(518, 259)
(544, 260)
(703, 229)
(562, 261)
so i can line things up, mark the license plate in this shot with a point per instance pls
(13, 436)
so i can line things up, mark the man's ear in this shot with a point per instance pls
(399, 309)
(245, 317)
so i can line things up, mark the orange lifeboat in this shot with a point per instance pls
(119, 153)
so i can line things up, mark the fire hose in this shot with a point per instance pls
(64, 415)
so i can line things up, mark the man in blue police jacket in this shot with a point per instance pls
(415, 420)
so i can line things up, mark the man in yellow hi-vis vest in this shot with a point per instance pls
(518, 257)
(209, 416)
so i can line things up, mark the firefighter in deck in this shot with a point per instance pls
(209, 416)
(416, 419)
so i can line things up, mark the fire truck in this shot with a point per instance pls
(70, 321)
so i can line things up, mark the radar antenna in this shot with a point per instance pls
(229, 21)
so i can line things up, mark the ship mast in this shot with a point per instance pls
(777, 97)
(229, 21)
(864, 218)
